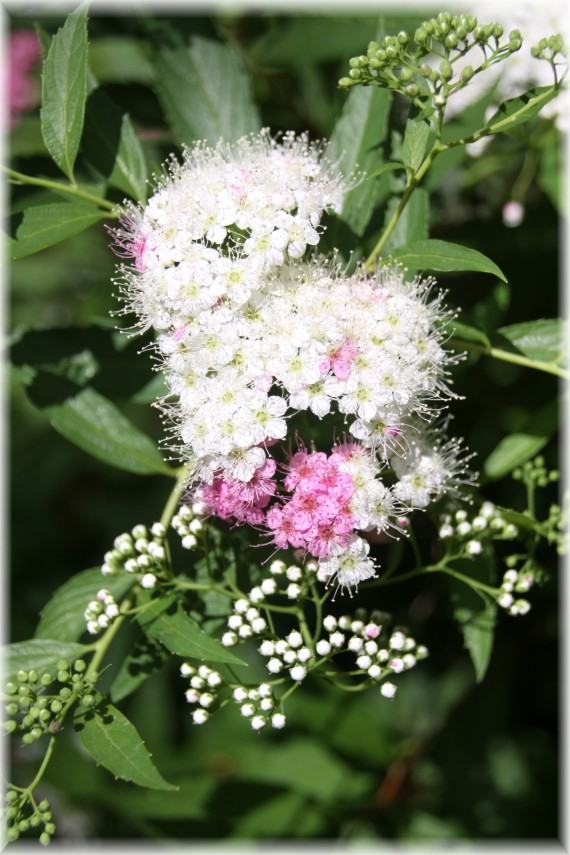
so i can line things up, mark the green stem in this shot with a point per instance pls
(174, 497)
(20, 178)
(40, 773)
(506, 356)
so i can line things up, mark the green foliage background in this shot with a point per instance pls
(449, 758)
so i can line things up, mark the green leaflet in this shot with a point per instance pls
(415, 143)
(64, 90)
(355, 146)
(516, 111)
(62, 617)
(205, 92)
(39, 654)
(46, 225)
(166, 621)
(517, 448)
(543, 339)
(442, 255)
(112, 147)
(114, 742)
(97, 426)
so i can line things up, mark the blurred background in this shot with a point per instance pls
(448, 759)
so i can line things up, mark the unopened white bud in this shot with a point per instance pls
(463, 528)
(268, 586)
(344, 622)
(200, 716)
(131, 566)
(239, 694)
(277, 568)
(228, 639)
(274, 666)
(355, 644)
(258, 722)
(388, 690)
(295, 639)
(197, 682)
(397, 641)
(206, 700)
(289, 657)
(357, 626)
(294, 573)
(112, 611)
(204, 671)
(158, 529)
(148, 580)
(235, 621)
(479, 523)
(192, 696)
(329, 623)
(304, 654)
(247, 710)
(93, 627)
(278, 720)
(258, 625)
(397, 665)
(281, 646)
(487, 510)
(409, 660)
(189, 541)
(293, 591)
(256, 595)
(265, 690)
(337, 639)
(266, 704)
(267, 648)
(364, 662)
(103, 621)
(245, 631)
(374, 671)
(107, 570)
(298, 672)
(195, 526)
(323, 647)
(505, 600)
(446, 531)
(241, 606)
(371, 648)
(139, 531)
(141, 544)
(252, 614)
(474, 547)
(187, 670)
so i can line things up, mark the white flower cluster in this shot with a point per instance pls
(257, 704)
(250, 335)
(509, 79)
(100, 612)
(518, 583)
(139, 552)
(290, 652)
(472, 529)
(204, 686)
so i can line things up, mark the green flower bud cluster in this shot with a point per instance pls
(35, 706)
(21, 813)
(422, 67)
(140, 552)
(550, 49)
(534, 472)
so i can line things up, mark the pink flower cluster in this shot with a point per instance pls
(243, 501)
(340, 361)
(24, 52)
(317, 515)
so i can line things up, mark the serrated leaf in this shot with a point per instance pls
(478, 628)
(355, 145)
(120, 59)
(46, 225)
(516, 111)
(415, 141)
(97, 426)
(111, 145)
(517, 448)
(167, 622)
(205, 92)
(441, 255)
(42, 655)
(543, 339)
(114, 742)
(62, 617)
(145, 658)
(64, 90)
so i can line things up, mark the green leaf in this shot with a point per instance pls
(415, 142)
(46, 225)
(64, 90)
(120, 59)
(550, 169)
(543, 340)
(442, 255)
(474, 610)
(205, 92)
(467, 333)
(62, 617)
(516, 111)
(41, 655)
(167, 622)
(146, 657)
(114, 742)
(111, 145)
(517, 448)
(98, 427)
(478, 628)
(355, 144)
(412, 227)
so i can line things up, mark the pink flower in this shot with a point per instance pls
(24, 53)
